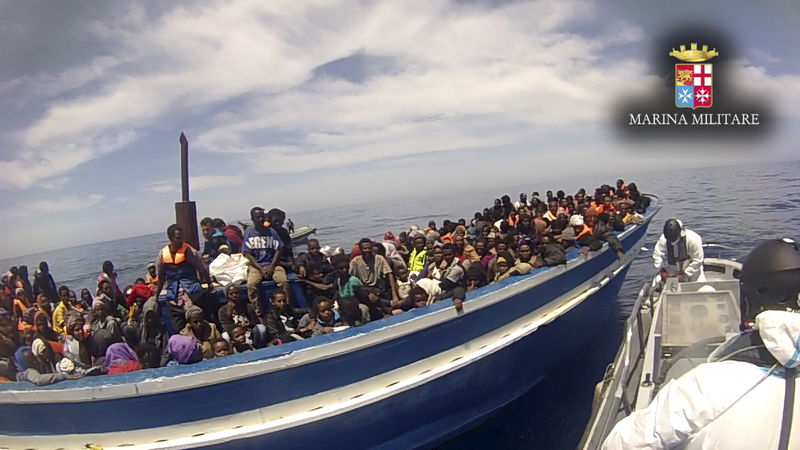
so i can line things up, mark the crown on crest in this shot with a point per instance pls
(693, 54)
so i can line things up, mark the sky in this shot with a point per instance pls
(309, 104)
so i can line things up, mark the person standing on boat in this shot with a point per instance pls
(43, 283)
(679, 253)
(744, 397)
(177, 267)
(262, 247)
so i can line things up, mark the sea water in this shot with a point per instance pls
(736, 206)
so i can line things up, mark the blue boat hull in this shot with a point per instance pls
(440, 409)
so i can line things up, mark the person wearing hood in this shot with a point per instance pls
(38, 364)
(24, 278)
(184, 349)
(43, 283)
(105, 329)
(201, 330)
(76, 345)
(679, 253)
(744, 397)
(152, 332)
(109, 275)
(120, 358)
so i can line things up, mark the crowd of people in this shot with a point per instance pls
(49, 333)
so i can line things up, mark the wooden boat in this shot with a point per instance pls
(410, 380)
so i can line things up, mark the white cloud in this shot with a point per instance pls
(197, 183)
(59, 204)
(451, 76)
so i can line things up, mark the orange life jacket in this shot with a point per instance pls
(180, 255)
(586, 230)
(512, 220)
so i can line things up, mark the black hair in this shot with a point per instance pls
(253, 211)
(219, 339)
(63, 288)
(206, 221)
(417, 290)
(218, 223)
(449, 246)
(148, 355)
(107, 267)
(172, 229)
(139, 280)
(276, 212)
(349, 311)
(365, 241)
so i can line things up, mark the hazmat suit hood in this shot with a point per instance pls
(780, 331)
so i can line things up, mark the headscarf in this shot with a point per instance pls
(184, 349)
(19, 358)
(38, 347)
(90, 300)
(192, 310)
(117, 355)
(70, 319)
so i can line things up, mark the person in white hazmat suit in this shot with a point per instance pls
(743, 398)
(679, 253)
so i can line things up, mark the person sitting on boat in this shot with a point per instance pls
(282, 319)
(200, 329)
(120, 358)
(679, 253)
(38, 364)
(178, 266)
(61, 309)
(744, 396)
(262, 247)
(151, 277)
(321, 319)
(184, 350)
(110, 275)
(105, 329)
(216, 242)
(232, 233)
(239, 313)
(404, 281)
(451, 281)
(313, 256)
(550, 252)
(373, 270)
(152, 332)
(506, 267)
(590, 232)
(418, 257)
(276, 218)
(317, 284)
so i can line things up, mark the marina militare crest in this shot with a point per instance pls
(694, 82)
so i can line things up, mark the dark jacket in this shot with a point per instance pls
(158, 336)
(552, 255)
(46, 285)
(226, 313)
(275, 326)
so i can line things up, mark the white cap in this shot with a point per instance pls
(576, 221)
